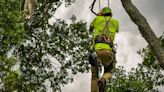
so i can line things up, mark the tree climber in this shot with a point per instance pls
(105, 28)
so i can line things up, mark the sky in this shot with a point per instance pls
(129, 39)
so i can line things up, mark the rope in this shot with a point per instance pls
(108, 3)
(99, 5)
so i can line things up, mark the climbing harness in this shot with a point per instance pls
(103, 36)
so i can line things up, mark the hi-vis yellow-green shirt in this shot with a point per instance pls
(98, 24)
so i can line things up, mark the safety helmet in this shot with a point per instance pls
(106, 10)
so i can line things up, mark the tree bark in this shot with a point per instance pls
(145, 30)
(29, 8)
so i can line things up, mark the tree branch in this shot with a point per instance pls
(145, 30)
(92, 6)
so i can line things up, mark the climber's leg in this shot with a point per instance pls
(94, 80)
(106, 57)
(107, 74)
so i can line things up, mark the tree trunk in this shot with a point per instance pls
(145, 30)
(29, 8)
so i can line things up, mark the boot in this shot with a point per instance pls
(102, 84)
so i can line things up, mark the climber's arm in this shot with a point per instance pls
(91, 28)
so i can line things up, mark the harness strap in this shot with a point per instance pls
(103, 36)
